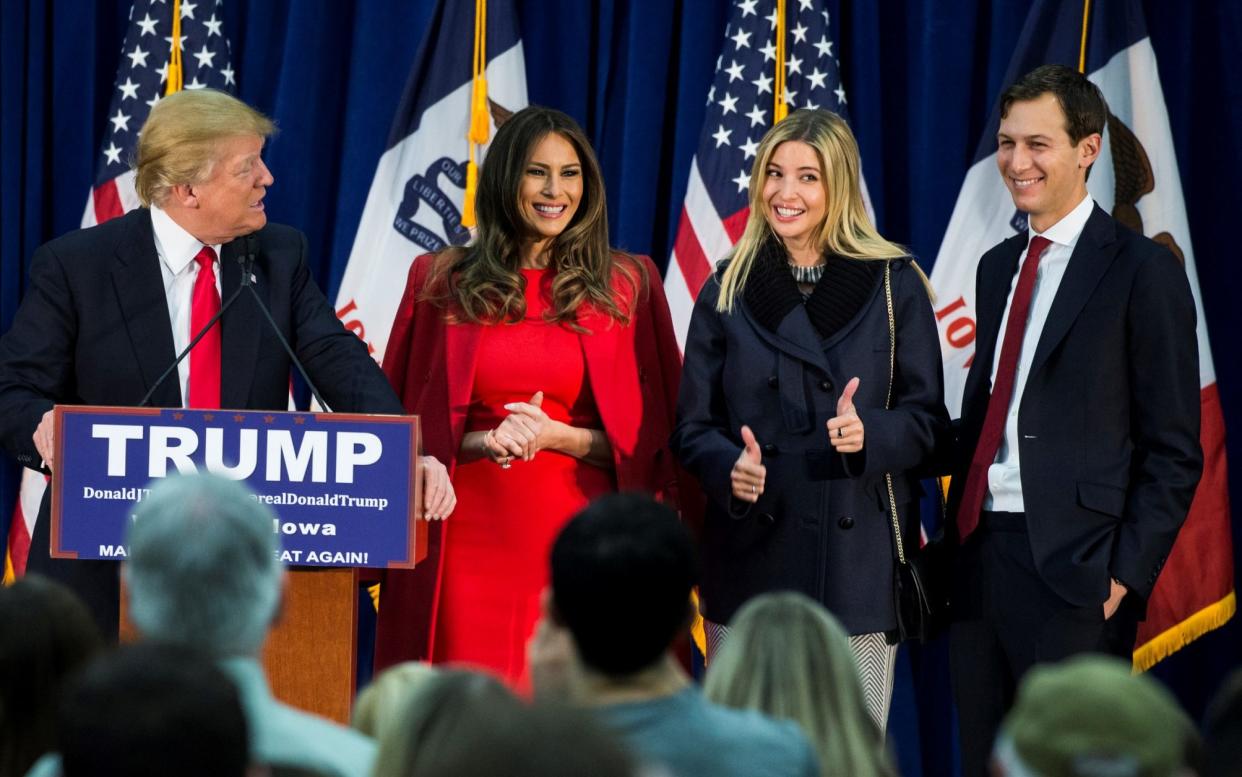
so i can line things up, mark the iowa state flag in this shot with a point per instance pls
(415, 203)
(1136, 180)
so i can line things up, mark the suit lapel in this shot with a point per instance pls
(995, 280)
(241, 327)
(1091, 258)
(138, 281)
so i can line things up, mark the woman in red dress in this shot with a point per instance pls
(544, 367)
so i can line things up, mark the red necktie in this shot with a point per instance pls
(205, 358)
(1002, 393)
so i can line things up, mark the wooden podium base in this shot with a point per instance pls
(311, 656)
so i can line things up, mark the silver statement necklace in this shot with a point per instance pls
(807, 275)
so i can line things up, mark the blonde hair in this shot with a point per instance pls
(379, 705)
(787, 657)
(178, 142)
(846, 229)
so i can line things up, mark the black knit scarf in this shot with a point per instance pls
(771, 291)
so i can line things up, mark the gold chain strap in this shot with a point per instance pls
(888, 398)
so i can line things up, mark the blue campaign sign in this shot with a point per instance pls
(344, 487)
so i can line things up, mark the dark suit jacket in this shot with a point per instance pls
(93, 329)
(1109, 419)
(822, 524)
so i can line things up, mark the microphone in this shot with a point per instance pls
(228, 303)
(246, 260)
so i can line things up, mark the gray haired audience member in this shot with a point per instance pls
(622, 571)
(151, 710)
(46, 634)
(1090, 716)
(787, 657)
(203, 570)
(462, 723)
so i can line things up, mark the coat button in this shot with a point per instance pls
(768, 449)
(767, 519)
(772, 381)
(846, 522)
(825, 385)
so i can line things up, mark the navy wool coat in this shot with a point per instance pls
(822, 525)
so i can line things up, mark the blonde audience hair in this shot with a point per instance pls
(846, 229)
(379, 705)
(787, 657)
(178, 143)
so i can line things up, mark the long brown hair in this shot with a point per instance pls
(483, 278)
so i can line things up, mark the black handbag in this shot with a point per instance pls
(920, 578)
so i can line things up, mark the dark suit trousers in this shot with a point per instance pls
(97, 583)
(1006, 620)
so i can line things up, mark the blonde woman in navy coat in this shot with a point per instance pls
(781, 414)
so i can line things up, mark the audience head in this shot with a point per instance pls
(203, 567)
(459, 722)
(152, 709)
(1091, 716)
(787, 657)
(378, 706)
(1222, 731)
(46, 634)
(622, 571)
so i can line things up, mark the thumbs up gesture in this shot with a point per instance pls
(845, 429)
(748, 472)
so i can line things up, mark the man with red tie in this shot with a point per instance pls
(1079, 438)
(108, 309)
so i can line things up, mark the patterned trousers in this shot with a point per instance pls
(876, 660)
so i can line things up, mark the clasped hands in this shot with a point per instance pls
(523, 433)
(845, 434)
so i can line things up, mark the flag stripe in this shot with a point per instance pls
(107, 202)
(694, 266)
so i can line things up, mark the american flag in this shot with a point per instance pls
(140, 83)
(740, 107)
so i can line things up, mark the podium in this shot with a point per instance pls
(356, 473)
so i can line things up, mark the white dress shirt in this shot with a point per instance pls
(1005, 476)
(177, 249)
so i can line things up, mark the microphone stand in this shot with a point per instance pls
(246, 261)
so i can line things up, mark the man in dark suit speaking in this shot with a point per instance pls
(108, 309)
(1079, 434)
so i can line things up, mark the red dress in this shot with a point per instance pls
(496, 553)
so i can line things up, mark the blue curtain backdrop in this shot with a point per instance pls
(921, 76)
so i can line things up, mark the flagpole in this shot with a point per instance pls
(1082, 47)
(779, 109)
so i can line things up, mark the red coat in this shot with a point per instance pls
(633, 371)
